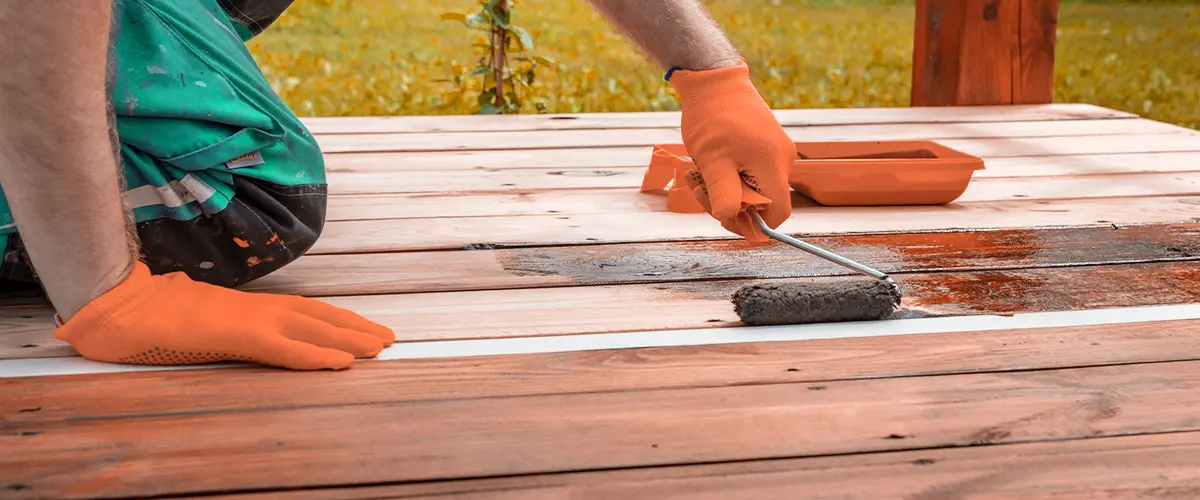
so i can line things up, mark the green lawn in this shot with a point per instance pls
(1142, 57)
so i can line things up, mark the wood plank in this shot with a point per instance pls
(1125, 467)
(535, 179)
(122, 395)
(623, 120)
(937, 37)
(612, 157)
(990, 53)
(1038, 40)
(530, 179)
(672, 306)
(469, 141)
(982, 52)
(432, 440)
(598, 309)
(546, 230)
(416, 272)
(631, 200)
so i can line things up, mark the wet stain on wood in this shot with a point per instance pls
(892, 253)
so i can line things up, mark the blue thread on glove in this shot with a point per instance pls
(667, 77)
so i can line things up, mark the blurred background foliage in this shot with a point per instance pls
(393, 57)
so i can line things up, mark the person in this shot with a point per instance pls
(147, 169)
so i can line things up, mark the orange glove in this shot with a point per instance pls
(742, 154)
(173, 320)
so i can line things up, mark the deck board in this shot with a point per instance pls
(122, 395)
(453, 439)
(534, 312)
(1126, 467)
(454, 233)
(512, 268)
(786, 117)
(639, 156)
(401, 181)
(1080, 208)
(607, 138)
(563, 202)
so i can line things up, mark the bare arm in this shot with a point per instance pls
(671, 32)
(58, 164)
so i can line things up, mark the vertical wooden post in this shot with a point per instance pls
(984, 52)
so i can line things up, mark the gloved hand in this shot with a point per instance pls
(742, 154)
(173, 320)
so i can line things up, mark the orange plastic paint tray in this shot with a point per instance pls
(882, 172)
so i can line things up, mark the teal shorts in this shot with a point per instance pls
(225, 182)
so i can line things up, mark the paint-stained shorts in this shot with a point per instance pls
(224, 181)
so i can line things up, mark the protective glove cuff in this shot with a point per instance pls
(99, 312)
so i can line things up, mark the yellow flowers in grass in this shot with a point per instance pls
(384, 57)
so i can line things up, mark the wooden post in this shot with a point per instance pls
(984, 52)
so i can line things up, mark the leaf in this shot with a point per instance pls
(455, 16)
(499, 16)
(544, 60)
(490, 109)
(480, 17)
(523, 37)
(480, 71)
(486, 97)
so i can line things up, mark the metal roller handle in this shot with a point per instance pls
(818, 251)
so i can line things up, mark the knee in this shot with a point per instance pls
(264, 228)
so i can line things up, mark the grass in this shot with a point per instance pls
(382, 57)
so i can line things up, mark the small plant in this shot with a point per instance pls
(506, 86)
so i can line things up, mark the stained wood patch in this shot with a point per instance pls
(984, 52)
(706, 304)
(410, 272)
(456, 439)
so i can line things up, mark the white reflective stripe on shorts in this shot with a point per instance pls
(175, 194)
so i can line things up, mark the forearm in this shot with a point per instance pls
(673, 33)
(58, 165)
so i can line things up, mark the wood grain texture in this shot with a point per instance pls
(564, 202)
(989, 53)
(512, 268)
(630, 178)
(706, 304)
(612, 157)
(123, 395)
(549, 230)
(984, 52)
(551, 139)
(1038, 38)
(454, 439)
(1113, 468)
(787, 117)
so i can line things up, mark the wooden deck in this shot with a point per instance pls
(563, 336)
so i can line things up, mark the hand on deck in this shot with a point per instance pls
(173, 320)
(742, 154)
